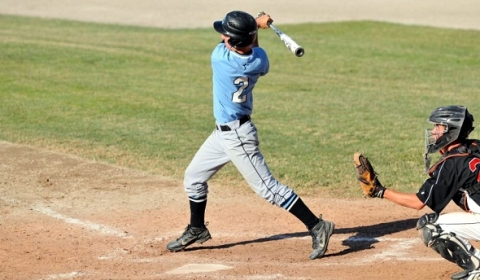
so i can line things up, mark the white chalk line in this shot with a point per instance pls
(70, 275)
(100, 228)
(10, 201)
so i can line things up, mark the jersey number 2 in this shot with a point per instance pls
(238, 97)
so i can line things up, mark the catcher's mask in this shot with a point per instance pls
(240, 26)
(458, 123)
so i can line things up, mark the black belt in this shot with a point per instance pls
(242, 120)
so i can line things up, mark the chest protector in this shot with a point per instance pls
(470, 147)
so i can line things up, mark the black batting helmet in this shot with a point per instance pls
(458, 124)
(240, 26)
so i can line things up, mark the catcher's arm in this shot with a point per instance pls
(369, 182)
(409, 200)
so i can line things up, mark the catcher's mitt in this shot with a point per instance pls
(371, 187)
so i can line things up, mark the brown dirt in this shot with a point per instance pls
(63, 217)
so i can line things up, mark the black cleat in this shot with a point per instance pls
(320, 236)
(466, 275)
(189, 236)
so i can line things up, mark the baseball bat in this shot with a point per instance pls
(293, 46)
(289, 42)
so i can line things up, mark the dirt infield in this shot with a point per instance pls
(64, 217)
(68, 218)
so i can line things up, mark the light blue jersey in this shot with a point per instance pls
(234, 77)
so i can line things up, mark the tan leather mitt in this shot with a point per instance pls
(367, 177)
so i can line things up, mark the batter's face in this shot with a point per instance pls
(225, 38)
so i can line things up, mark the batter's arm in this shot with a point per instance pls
(409, 200)
(255, 42)
(263, 22)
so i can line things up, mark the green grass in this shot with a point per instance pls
(141, 97)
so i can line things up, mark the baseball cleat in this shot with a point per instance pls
(460, 275)
(466, 275)
(320, 236)
(190, 235)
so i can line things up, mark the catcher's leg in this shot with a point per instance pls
(446, 244)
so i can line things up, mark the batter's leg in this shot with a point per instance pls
(242, 146)
(209, 158)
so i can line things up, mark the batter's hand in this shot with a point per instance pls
(263, 20)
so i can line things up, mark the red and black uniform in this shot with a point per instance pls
(455, 173)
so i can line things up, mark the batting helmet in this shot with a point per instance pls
(458, 124)
(241, 27)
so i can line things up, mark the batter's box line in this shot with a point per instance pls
(100, 228)
(70, 275)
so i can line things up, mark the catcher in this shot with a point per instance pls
(454, 177)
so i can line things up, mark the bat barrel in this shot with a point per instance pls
(299, 52)
(294, 47)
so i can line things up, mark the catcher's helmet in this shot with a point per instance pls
(458, 124)
(240, 26)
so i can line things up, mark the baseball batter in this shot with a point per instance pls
(454, 177)
(237, 63)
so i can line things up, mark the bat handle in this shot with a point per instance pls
(261, 14)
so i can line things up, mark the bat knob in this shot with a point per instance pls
(260, 14)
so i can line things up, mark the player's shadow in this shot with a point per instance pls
(362, 238)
